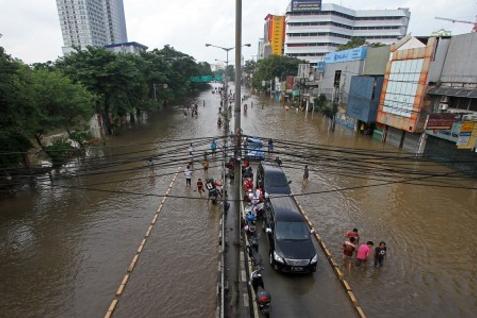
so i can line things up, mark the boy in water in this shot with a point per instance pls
(200, 186)
(354, 233)
(348, 249)
(380, 254)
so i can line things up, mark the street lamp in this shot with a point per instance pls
(227, 50)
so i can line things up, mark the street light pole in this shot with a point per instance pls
(237, 117)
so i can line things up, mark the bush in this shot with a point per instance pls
(60, 151)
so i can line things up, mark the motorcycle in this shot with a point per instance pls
(262, 296)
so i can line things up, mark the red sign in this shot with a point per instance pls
(440, 121)
(290, 82)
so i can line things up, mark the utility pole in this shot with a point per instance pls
(237, 117)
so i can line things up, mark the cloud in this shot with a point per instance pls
(32, 31)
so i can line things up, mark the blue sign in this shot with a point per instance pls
(306, 5)
(346, 56)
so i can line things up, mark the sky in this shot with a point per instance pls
(31, 29)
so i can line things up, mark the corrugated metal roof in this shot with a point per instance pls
(454, 92)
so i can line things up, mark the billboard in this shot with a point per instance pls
(306, 5)
(346, 56)
(443, 121)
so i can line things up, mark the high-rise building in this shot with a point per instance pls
(91, 23)
(274, 35)
(314, 29)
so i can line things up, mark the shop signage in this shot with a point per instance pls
(290, 82)
(346, 56)
(466, 134)
(440, 121)
(306, 5)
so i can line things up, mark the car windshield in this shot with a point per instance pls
(276, 180)
(291, 231)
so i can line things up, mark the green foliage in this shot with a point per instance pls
(63, 95)
(60, 151)
(274, 66)
(81, 137)
(354, 42)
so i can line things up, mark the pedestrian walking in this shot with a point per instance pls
(306, 175)
(191, 153)
(188, 176)
(364, 251)
(270, 145)
(213, 146)
(278, 161)
(348, 249)
(205, 165)
(380, 254)
(354, 233)
(200, 186)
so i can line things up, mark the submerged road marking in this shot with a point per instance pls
(339, 274)
(132, 265)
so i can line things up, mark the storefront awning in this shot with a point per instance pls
(453, 92)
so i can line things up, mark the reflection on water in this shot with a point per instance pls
(65, 250)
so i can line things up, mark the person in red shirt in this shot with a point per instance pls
(354, 233)
(348, 249)
(200, 186)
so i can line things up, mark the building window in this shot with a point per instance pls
(403, 83)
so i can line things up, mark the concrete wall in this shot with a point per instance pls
(364, 97)
(376, 61)
(348, 70)
(437, 62)
(460, 65)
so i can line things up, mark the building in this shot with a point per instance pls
(451, 128)
(415, 62)
(128, 47)
(260, 47)
(314, 29)
(352, 81)
(91, 23)
(274, 35)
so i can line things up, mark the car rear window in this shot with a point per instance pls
(291, 231)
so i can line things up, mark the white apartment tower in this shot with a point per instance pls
(315, 29)
(91, 23)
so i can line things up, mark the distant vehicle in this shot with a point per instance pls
(291, 246)
(272, 179)
(254, 149)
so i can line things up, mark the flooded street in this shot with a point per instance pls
(64, 250)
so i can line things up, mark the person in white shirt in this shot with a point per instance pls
(188, 176)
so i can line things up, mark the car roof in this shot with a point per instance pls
(272, 168)
(285, 209)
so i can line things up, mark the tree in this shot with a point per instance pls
(274, 66)
(354, 42)
(61, 103)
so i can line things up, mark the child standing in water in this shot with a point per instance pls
(380, 254)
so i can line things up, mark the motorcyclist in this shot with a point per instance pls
(211, 188)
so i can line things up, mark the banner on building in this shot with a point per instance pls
(306, 5)
(467, 135)
(440, 121)
(356, 54)
(290, 82)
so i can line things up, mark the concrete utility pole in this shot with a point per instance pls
(237, 116)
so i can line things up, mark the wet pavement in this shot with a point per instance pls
(64, 251)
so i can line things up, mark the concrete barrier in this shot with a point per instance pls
(339, 274)
(132, 265)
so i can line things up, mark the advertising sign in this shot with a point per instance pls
(346, 56)
(306, 5)
(290, 82)
(465, 134)
(440, 121)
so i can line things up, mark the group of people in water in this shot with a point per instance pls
(213, 186)
(361, 252)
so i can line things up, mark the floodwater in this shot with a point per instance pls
(64, 248)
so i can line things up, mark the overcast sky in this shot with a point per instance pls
(31, 29)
